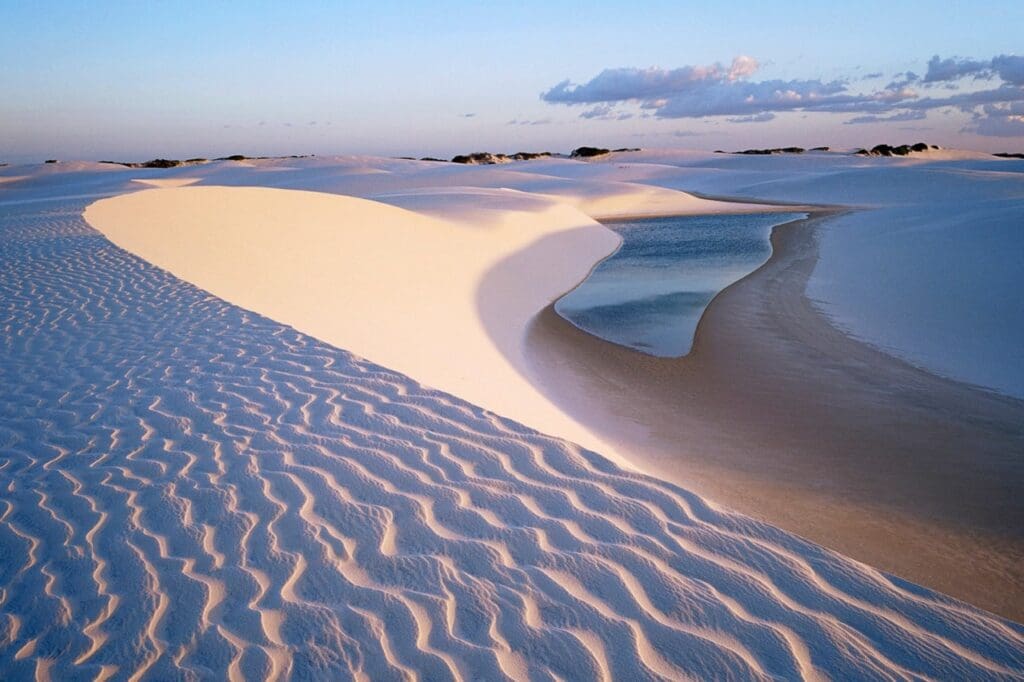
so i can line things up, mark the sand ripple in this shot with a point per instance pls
(192, 491)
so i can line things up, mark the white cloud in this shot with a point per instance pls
(730, 91)
(652, 84)
(898, 116)
(756, 118)
(742, 66)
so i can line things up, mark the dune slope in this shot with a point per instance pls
(386, 283)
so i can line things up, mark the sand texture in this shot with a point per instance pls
(192, 489)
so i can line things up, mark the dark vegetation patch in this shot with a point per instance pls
(154, 163)
(775, 150)
(161, 163)
(1009, 155)
(241, 157)
(489, 158)
(483, 158)
(529, 156)
(901, 150)
(587, 152)
(174, 163)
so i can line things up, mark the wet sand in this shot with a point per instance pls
(778, 414)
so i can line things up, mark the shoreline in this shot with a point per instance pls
(780, 415)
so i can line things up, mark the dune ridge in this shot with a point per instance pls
(193, 490)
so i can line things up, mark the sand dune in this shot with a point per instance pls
(386, 283)
(403, 289)
(192, 490)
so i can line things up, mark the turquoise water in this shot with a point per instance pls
(651, 293)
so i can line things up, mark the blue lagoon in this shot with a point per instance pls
(651, 293)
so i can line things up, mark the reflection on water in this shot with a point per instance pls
(651, 293)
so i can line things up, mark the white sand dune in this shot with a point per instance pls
(388, 284)
(442, 300)
(192, 490)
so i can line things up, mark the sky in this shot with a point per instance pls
(140, 80)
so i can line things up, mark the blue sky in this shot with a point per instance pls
(131, 80)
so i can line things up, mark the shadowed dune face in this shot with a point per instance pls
(190, 489)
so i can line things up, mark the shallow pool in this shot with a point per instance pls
(651, 293)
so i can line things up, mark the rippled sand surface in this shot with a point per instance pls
(192, 490)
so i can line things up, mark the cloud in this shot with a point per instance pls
(600, 111)
(898, 116)
(902, 80)
(1000, 127)
(717, 90)
(686, 133)
(697, 91)
(606, 112)
(528, 122)
(969, 101)
(620, 85)
(755, 118)
(1010, 68)
(954, 68)
(1000, 120)
(742, 66)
